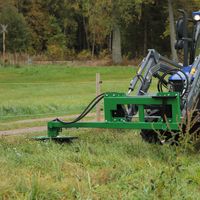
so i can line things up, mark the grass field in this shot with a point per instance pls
(41, 91)
(101, 164)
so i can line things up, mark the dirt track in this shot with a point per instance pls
(33, 129)
(24, 130)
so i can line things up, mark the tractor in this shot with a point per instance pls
(162, 112)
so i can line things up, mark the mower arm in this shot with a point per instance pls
(149, 67)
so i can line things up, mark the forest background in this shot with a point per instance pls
(90, 29)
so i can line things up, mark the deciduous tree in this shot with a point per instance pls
(17, 31)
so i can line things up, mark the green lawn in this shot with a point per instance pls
(41, 91)
(101, 164)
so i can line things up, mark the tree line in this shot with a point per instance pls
(64, 29)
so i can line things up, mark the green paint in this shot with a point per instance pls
(111, 100)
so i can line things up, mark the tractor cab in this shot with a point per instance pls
(189, 41)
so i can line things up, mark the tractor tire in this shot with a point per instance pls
(150, 136)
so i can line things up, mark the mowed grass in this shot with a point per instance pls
(40, 91)
(101, 164)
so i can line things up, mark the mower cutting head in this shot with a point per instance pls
(58, 139)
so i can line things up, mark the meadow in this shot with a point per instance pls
(46, 90)
(101, 164)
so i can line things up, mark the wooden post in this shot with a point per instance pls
(4, 31)
(98, 92)
(4, 46)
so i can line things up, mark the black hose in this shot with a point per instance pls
(171, 72)
(90, 106)
(93, 101)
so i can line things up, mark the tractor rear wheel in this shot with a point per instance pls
(153, 136)
(150, 135)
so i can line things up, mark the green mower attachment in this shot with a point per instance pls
(163, 112)
(115, 106)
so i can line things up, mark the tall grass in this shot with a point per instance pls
(102, 164)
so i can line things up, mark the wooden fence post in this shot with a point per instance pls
(4, 31)
(98, 92)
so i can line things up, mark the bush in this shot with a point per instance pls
(55, 52)
(69, 54)
(105, 54)
(84, 55)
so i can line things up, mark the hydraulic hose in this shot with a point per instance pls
(90, 106)
(162, 80)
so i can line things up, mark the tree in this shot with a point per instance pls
(44, 27)
(143, 28)
(96, 14)
(108, 16)
(65, 13)
(172, 31)
(121, 13)
(18, 33)
(129, 27)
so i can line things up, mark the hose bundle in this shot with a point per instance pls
(184, 80)
(90, 106)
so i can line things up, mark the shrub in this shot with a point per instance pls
(105, 54)
(84, 55)
(69, 54)
(55, 52)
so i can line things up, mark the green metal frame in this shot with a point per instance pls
(111, 100)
